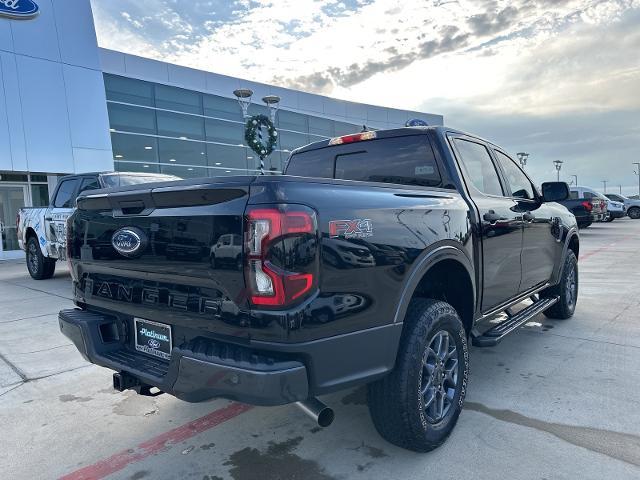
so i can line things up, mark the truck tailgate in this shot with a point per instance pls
(170, 254)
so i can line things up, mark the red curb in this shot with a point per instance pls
(163, 441)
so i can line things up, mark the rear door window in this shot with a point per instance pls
(407, 160)
(89, 183)
(65, 195)
(479, 167)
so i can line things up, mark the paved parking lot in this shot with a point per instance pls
(557, 400)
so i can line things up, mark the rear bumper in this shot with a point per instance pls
(197, 371)
(262, 373)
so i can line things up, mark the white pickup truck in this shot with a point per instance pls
(42, 231)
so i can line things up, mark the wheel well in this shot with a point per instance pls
(574, 245)
(448, 280)
(30, 233)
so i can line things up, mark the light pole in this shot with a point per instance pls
(244, 99)
(272, 102)
(620, 188)
(604, 183)
(637, 172)
(558, 165)
(522, 156)
(576, 179)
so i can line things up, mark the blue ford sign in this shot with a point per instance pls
(18, 8)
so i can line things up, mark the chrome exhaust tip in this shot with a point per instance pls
(321, 414)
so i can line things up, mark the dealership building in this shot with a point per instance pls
(68, 106)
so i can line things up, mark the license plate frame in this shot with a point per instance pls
(153, 338)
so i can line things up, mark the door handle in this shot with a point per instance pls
(491, 216)
(528, 217)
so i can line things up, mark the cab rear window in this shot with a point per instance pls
(407, 160)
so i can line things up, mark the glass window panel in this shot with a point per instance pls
(12, 177)
(321, 126)
(182, 152)
(520, 185)
(180, 126)
(136, 148)
(220, 107)
(128, 90)
(65, 197)
(314, 163)
(131, 119)
(224, 132)
(137, 167)
(256, 109)
(290, 140)
(273, 163)
(479, 167)
(293, 121)
(184, 171)
(223, 156)
(89, 183)
(403, 160)
(40, 195)
(179, 99)
(38, 178)
(342, 128)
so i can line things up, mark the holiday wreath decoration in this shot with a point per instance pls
(253, 135)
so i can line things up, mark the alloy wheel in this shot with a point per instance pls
(440, 372)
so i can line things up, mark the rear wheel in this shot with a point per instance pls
(40, 267)
(566, 289)
(417, 405)
(634, 212)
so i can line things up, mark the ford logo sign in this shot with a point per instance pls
(18, 8)
(129, 241)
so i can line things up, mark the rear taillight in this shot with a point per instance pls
(281, 254)
(587, 205)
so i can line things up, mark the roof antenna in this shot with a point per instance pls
(364, 129)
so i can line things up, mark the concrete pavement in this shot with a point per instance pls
(557, 400)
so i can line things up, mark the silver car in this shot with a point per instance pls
(632, 205)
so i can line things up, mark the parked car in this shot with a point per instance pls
(613, 209)
(42, 230)
(464, 236)
(632, 205)
(586, 207)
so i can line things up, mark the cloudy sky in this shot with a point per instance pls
(559, 79)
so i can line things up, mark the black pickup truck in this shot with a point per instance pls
(374, 260)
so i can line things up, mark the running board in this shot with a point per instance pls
(495, 334)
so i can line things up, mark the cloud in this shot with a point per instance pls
(558, 78)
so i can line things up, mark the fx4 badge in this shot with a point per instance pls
(356, 228)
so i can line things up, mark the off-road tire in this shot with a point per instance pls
(396, 403)
(565, 307)
(39, 267)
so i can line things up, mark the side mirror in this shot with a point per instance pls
(555, 191)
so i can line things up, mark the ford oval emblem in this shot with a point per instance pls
(18, 8)
(129, 241)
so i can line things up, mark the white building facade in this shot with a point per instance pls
(68, 106)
